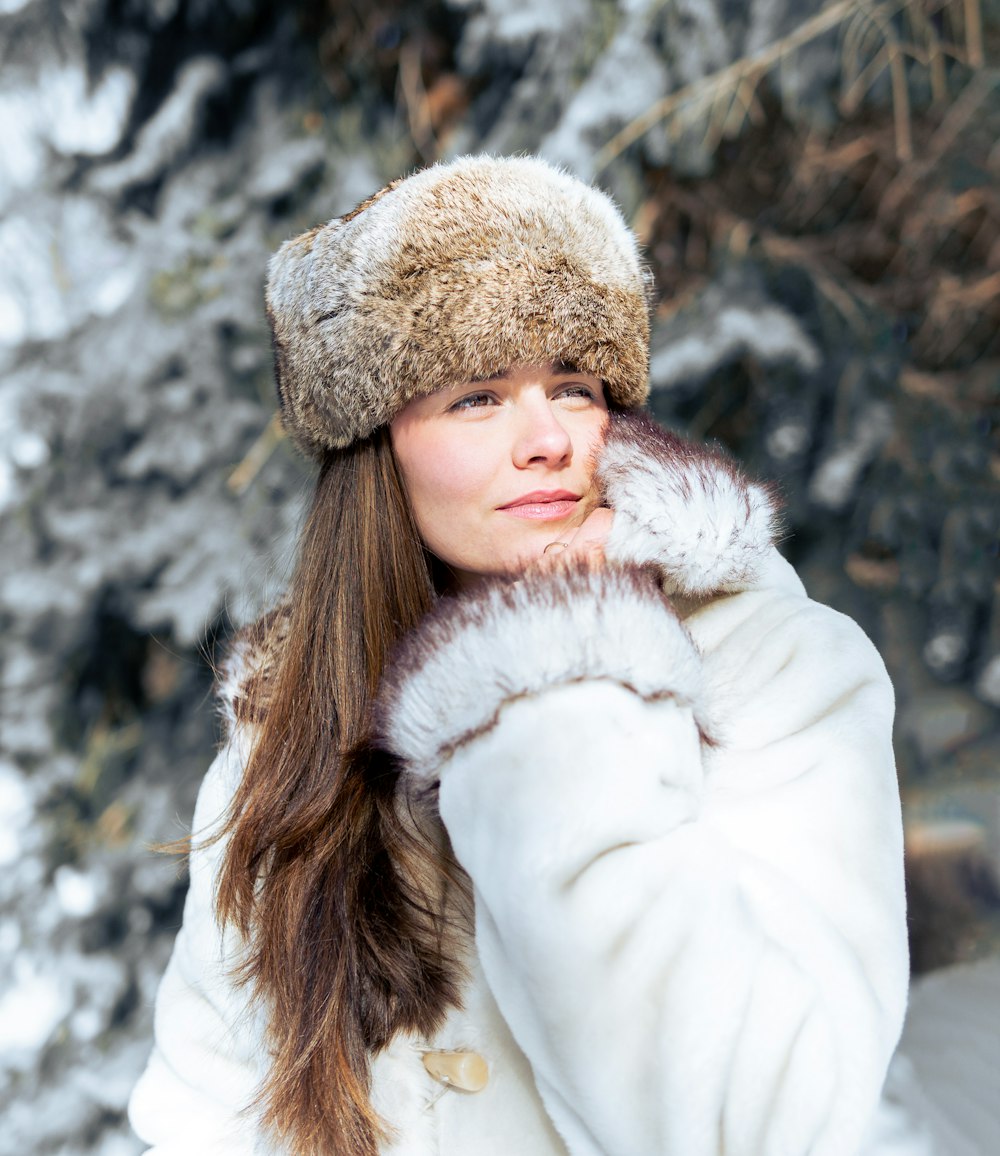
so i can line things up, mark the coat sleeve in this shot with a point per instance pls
(686, 861)
(196, 1091)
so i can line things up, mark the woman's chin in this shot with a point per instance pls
(511, 556)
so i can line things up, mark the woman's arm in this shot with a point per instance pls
(686, 864)
(205, 1067)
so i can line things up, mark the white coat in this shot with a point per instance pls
(680, 818)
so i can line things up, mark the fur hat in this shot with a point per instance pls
(453, 274)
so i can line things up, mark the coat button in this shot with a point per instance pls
(466, 1071)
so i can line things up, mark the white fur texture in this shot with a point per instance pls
(510, 640)
(680, 948)
(232, 673)
(683, 508)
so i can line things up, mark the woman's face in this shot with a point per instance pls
(496, 470)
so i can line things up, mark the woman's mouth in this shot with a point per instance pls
(543, 505)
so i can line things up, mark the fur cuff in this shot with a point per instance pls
(507, 640)
(684, 508)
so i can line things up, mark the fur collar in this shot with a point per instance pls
(249, 666)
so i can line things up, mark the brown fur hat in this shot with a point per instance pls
(453, 274)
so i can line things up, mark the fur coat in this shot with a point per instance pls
(671, 784)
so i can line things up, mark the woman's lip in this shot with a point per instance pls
(541, 498)
(550, 510)
(543, 511)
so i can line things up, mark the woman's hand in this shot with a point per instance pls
(586, 541)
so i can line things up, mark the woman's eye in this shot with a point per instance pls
(473, 401)
(584, 391)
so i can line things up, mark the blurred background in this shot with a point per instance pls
(816, 185)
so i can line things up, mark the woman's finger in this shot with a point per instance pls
(589, 539)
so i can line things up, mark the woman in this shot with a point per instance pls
(554, 818)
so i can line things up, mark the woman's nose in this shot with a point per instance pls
(541, 438)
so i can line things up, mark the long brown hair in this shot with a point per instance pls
(339, 892)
